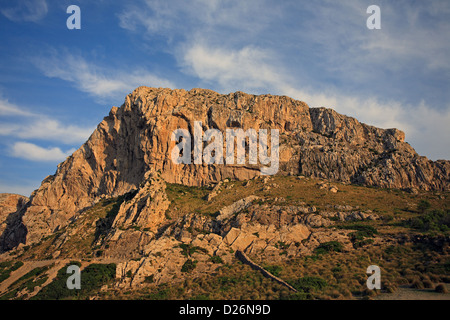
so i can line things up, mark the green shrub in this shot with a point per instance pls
(309, 284)
(31, 274)
(161, 294)
(329, 247)
(93, 277)
(188, 250)
(281, 245)
(6, 267)
(441, 288)
(189, 265)
(275, 270)
(436, 220)
(16, 265)
(225, 282)
(297, 296)
(216, 259)
(362, 243)
(200, 297)
(423, 206)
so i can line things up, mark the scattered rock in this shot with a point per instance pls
(214, 192)
(333, 189)
(146, 209)
(237, 206)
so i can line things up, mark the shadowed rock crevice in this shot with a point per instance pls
(12, 229)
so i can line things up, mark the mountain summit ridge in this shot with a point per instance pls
(135, 139)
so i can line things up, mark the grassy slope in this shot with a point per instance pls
(344, 273)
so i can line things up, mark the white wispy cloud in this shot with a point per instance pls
(320, 52)
(212, 18)
(101, 82)
(30, 151)
(249, 67)
(412, 34)
(19, 122)
(43, 128)
(25, 10)
(426, 128)
(329, 35)
(24, 189)
(9, 109)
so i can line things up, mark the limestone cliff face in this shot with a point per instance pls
(12, 230)
(136, 139)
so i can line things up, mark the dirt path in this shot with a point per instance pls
(27, 267)
(51, 275)
(405, 293)
(52, 272)
(243, 257)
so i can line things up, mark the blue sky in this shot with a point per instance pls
(57, 84)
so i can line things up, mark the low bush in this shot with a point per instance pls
(441, 288)
(309, 284)
(329, 247)
(274, 269)
(216, 259)
(7, 267)
(423, 206)
(436, 220)
(189, 265)
(93, 277)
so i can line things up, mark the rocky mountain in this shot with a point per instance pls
(134, 142)
(121, 198)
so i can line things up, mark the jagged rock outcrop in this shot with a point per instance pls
(266, 231)
(136, 138)
(12, 232)
(10, 203)
(146, 209)
(235, 207)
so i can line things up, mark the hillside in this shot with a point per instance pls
(346, 195)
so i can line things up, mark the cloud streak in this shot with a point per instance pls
(247, 68)
(36, 126)
(320, 52)
(100, 82)
(251, 68)
(20, 123)
(30, 151)
(25, 189)
(26, 10)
